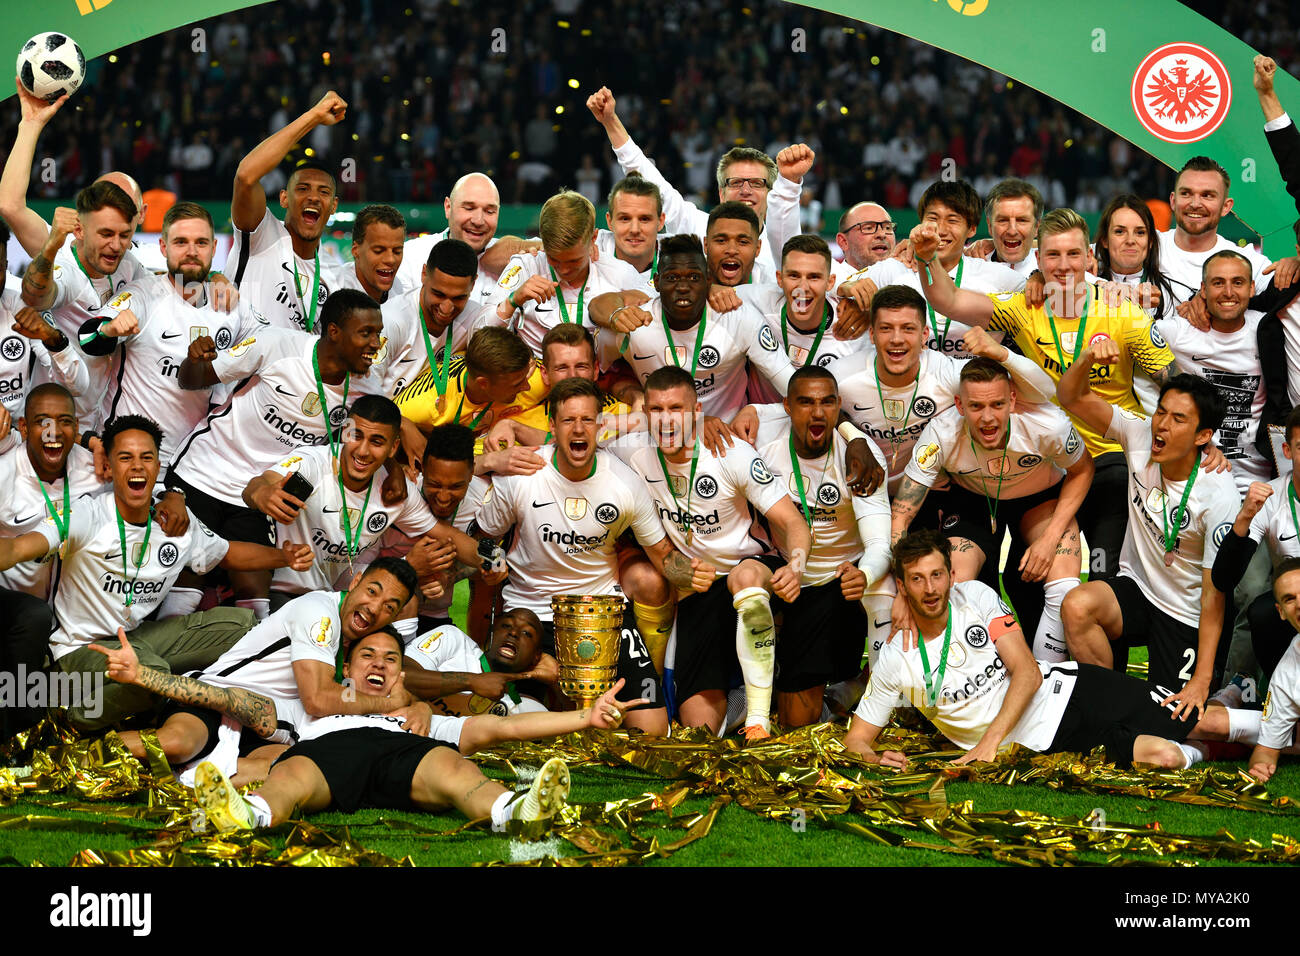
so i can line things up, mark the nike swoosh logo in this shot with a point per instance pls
(542, 504)
(29, 517)
(654, 480)
(861, 408)
(171, 335)
(544, 308)
(1285, 537)
(283, 391)
(1201, 358)
(115, 556)
(884, 623)
(329, 511)
(642, 358)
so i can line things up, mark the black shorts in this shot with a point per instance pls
(1112, 709)
(821, 640)
(367, 766)
(1173, 645)
(248, 741)
(966, 515)
(706, 638)
(634, 663)
(232, 522)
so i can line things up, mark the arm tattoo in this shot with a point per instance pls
(36, 280)
(254, 711)
(461, 572)
(1163, 375)
(677, 569)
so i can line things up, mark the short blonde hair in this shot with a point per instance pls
(1062, 220)
(567, 219)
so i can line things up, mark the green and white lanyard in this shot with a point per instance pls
(487, 669)
(699, 340)
(315, 288)
(898, 438)
(144, 552)
(564, 307)
(684, 512)
(799, 482)
(351, 538)
(67, 507)
(817, 341)
(940, 337)
(324, 405)
(1078, 336)
(438, 371)
(932, 685)
(1002, 471)
(478, 418)
(1171, 534)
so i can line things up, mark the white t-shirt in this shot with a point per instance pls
(320, 522)
(272, 414)
(719, 508)
(149, 364)
(274, 279)
(1042, 444)
(1274, 525)
(402, 356)
(1184, 268)
(1282, 705)
(1211, 509)
(534, 319)
(565, 531)
(448, 648)
(25, 509)
(975, 680)
(730, 338)
(90, 595)
(1230, 362)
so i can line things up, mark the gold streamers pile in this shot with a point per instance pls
(804, 775)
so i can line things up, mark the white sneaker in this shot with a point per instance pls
(223, 805)
(547, 793)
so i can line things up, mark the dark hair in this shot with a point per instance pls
(812, 245)
(127, 423)
(959, 196)
(1286, 566)
(568, 333)
(98, 195)
(378, 212)
(49, 388)
(1226, 254)
(981, 369)
(377, 409)
(1210, 406)
(809, 373)
(451, 443)
(1292, 422)
(399, 569)
(310, 164)
(386, 629)
(1203, 164)
(669, 376)
(634, 184)
(682, 244)
(1013, 189)
(4, 234)
(916, 545)
(898, 297)
(341, 304)
(733, 209)
(453, 257)
(184, 210)
(1151, 264)
(572, 388)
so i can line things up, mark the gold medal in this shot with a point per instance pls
(993, 525)
(441, 404)
(1169, 559)
(689, 533)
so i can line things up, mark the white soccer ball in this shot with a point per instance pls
(51, 64)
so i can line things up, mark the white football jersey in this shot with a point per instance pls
(1277, 728)
(1152, 501)
(837, 517)
(347, 278)
(1183, 269)
(977, 275)
(975, 680)
(441, 727)
(608, 250)
(730, 339)
(274, 279)
(535, 319)
(93, 582)
(1274, 523)
(1230, 362)
(565, 531)
(272, 414)
(25, 509)
(415, 255)
(801, 347)
(448, 648)
(1024, 268)
(719, 509)
(320, 522)
(402, 356)
(146, 382)
(1040, 446)
(26, 363)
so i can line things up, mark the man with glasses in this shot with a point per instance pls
(866, 235)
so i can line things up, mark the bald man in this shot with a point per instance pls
(472, 209)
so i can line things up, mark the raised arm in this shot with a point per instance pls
(485, 730)
(248, 203)
(1075, 394)
(39, 287)
(1032, 384)
(1265, 67)
(972, 308)
(27, 227)
(905, 506)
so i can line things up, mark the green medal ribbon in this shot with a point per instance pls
(487, 669)
(821, 330)
(654, 264)
(1171, 534)
(353, 540)
(144, 551)
(932, 687)
(1079, 336)
(478, 418)
(940, 337)
(338, 656)
(1290, 494)
(699, 340)
(993, 502)
(684, 524)
(564, 308)
(438, 372)
(324, 405)
(67, 507)
(907, 416)
(315, 289)
(798, 479)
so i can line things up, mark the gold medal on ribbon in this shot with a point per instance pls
(441, 404)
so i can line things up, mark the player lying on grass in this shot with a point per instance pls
(345, 762)
(972, 675)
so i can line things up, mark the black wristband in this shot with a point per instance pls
(84, 441)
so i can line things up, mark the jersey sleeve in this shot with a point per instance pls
(646, 525)
(1062, 446)
(415, 518)
(764, 350)
(266, 235)
(873, 518)
(131, 298)
(496, 515)
(206, 549)
(314, 629)
(883, 688)
(445, 648)
(1128, 428)
(679, 215)
(928, 455)
(752, 475)
(1281, 707)
(250, 355)
(997, 617)
(1143, 340)
(512, 277)
(1010, 314)
(1218, 517)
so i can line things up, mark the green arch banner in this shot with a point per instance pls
(1165, 78)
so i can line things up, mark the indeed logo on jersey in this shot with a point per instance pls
(14, 384)
(893, 434)
(322, 543)
(111, 583)
(290, 432)
(707, 522)
(572, 539)
(978, 684)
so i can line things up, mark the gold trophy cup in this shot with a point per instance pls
(588, 629)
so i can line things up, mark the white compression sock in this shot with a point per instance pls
(261, 607)
(501, 808)
(1049, 639)
(180, 602)
(1243, 726)
(878, 606)
(1192, 754)
(261, 809)
(756, 649)
(407, 628)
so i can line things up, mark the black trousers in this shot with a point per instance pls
(26, 640)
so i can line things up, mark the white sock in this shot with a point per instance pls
(1049, 639)
(261, 809)
(1243, 726)
(407, 627)
(261, 607)
(180, 602)
(877, 606)
(756, 649)
(1192, 754)
(501, 808)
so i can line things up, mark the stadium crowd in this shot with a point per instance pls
(246, 498)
